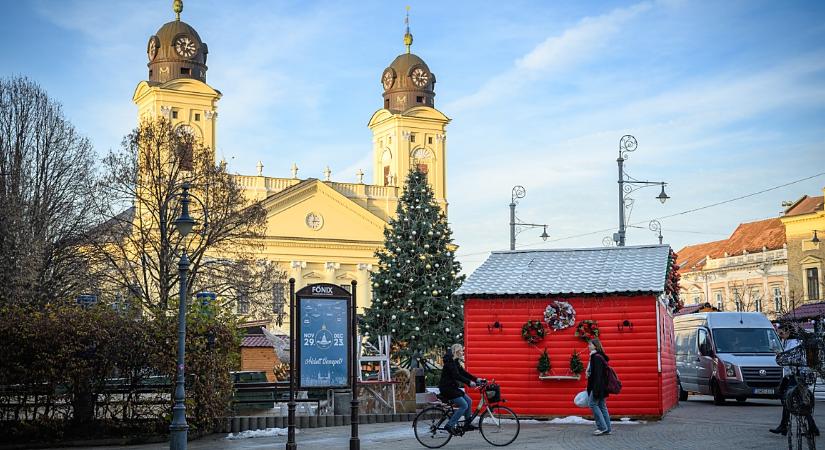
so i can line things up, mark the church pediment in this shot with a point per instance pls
(312, 210)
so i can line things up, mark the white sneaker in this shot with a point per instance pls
(598, 433)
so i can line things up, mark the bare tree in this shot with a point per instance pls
(46, 179)
(138, 248)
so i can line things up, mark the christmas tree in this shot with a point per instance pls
(544, 363)
(417, 274)
(576, 365)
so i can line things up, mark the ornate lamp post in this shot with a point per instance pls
(628, 185)
(178, 429)
(656, 227)
(520, 192)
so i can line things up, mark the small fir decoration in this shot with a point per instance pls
(587, 330)
(559, 315)
(416, 276)
(532, 331)
(544, 363)
(576, 365)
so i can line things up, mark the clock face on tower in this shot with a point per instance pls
(420, 77)
(314, 221)
(152, 48)
(185, 46)
(388, 78)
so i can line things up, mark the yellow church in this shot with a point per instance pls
(318, 230)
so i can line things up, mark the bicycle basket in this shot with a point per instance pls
(493, 393)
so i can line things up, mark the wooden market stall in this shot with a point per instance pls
(629, 294)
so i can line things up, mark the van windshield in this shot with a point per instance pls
(746, 340)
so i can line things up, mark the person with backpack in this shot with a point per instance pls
(597, 386)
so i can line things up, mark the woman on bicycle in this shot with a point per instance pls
(453, 378)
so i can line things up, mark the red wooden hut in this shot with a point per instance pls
(628, 291)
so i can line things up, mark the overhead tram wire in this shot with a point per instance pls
(688, 211)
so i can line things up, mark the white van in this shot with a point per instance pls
(727, 355)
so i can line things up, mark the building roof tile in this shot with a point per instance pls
(806, 205)
(751, 237)
(636, 269)
(256, 340)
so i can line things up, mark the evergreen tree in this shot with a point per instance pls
(417, 274)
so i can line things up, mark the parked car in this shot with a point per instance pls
(727, 355)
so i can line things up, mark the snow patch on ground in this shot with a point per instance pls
(576, 420)
(249, 434)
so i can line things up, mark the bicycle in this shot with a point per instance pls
(498, 425)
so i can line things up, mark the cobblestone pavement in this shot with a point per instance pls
(695, 424)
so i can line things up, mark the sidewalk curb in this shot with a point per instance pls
(244, 423)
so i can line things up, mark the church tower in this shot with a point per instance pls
(176, 88)
(408, 131)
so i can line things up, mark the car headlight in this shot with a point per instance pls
(730, 370)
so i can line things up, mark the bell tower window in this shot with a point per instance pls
(185, 71)
(419, 99)
(386, 103)
(386, 175)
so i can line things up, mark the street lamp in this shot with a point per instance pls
(520, 192)
(628, 185)
(815, 239)
(656, 226)
(178, 429)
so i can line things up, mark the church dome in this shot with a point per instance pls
(408, 81)
(176, 51)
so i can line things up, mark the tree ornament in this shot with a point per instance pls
(414, 233)
(426, 313)
(416, 329)
(427, 266)
(429, 233)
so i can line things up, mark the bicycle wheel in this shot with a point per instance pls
(429, 426)
(499, 425)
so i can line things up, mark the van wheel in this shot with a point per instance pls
(683, 395)
(718, 398)
(741, 399)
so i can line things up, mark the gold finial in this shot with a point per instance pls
(177, 6)
(408, 39)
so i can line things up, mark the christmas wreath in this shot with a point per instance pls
(559, 315)
(587, 330)
(532, 331)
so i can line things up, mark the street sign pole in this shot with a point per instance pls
(354, 440)
(290, 440)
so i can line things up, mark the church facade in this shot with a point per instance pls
(317, 230)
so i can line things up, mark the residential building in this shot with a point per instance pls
(804, 222)
(746, 272)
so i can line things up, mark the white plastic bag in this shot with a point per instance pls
(581, 399)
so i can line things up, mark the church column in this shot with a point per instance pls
(364, 287)
(329, 272)
(296, 269)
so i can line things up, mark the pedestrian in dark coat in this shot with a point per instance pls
(597, 386)
(454, 377)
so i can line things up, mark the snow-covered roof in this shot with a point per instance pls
(583, 271)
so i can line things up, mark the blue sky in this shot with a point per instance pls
(725, 98)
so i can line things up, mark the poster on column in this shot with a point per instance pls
(323, 340)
